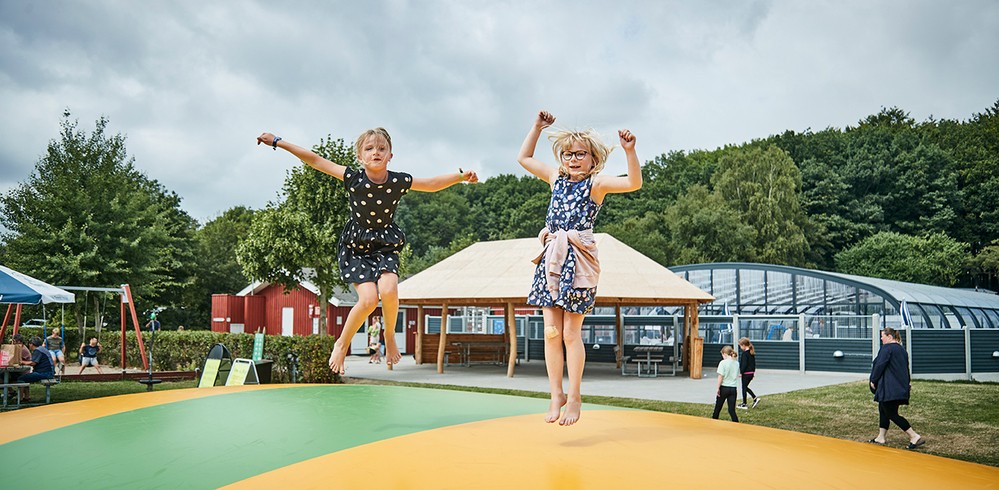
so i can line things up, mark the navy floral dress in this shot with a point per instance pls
(570, 209)
(371, 241)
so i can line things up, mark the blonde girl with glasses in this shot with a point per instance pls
(565, 280)
(369, 246)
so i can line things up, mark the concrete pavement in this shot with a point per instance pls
(598, 379)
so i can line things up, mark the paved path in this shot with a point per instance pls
(598, 379)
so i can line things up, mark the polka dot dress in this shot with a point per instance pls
(570, 209)
(371, 241)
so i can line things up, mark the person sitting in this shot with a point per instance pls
(41, 362)
(54, 344)
(88, 355)
(18, 340)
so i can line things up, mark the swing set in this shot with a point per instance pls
(125, 294)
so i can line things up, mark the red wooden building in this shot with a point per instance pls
(265, 307)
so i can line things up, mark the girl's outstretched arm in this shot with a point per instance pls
(306, 156)
(440, 182)
(526, 157)
(631, 182)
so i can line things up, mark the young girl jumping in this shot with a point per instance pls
(747, 369)
(368, 252)
(565, 281)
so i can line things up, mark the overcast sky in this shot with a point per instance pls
(458, 83)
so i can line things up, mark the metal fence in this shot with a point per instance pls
(835, 343)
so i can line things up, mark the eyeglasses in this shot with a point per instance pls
(578, 155)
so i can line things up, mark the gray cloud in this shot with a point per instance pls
(192, 84)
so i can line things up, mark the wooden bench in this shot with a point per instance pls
(48, 384)
(486, 352)
(17, 389)
(453, 349)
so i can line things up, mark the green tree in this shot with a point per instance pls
(296, 239)
(932, 259)
(87, 217)
(646, 234)
(217, 271)
(704, 227)
(986, 263)
(435, 219)
(764, 185)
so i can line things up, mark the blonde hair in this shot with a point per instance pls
(746, 343)
(728, 351)
(371, 132)
(562, 139)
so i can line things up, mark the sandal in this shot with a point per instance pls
(914, 445)
(875, 441)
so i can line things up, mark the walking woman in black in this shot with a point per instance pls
(890, 384)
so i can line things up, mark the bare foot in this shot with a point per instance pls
(337, 358)
(555, 408)
(392, 355)
(571, 415)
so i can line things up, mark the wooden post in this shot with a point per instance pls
(697, 346)
(619, 327)
(511, 329)
(135, 323)
(443, 340)
(17, 319)
(419, 334)
(6, 318)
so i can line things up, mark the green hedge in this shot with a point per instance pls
(186, 351)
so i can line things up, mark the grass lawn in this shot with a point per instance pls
(959, 420)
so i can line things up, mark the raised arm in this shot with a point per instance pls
(526, 157)
(604, 185)
(307, 156)
(440, 182)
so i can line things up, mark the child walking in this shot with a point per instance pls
(368, 252)
(747, 369)
(565, 280)
(728, 372)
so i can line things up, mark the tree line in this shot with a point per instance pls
(888, 197)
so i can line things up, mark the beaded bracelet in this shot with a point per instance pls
(276, 139)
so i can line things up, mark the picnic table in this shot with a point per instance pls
(7, 384)
(648, 364)
(493, 348)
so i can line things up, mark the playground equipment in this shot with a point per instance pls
(125, 294)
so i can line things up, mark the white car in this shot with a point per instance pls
(34, 322)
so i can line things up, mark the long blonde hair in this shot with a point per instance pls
(746, 343)
(727, 351)
(562, 139)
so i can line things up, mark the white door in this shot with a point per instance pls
(287, 321)
(400, 332)
(359, 343)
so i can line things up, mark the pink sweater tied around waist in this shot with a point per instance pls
(555, 249)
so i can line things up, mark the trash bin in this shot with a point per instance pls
(264, 370)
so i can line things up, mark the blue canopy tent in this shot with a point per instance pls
(21, 289)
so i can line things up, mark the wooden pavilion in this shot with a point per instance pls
(499, 273)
